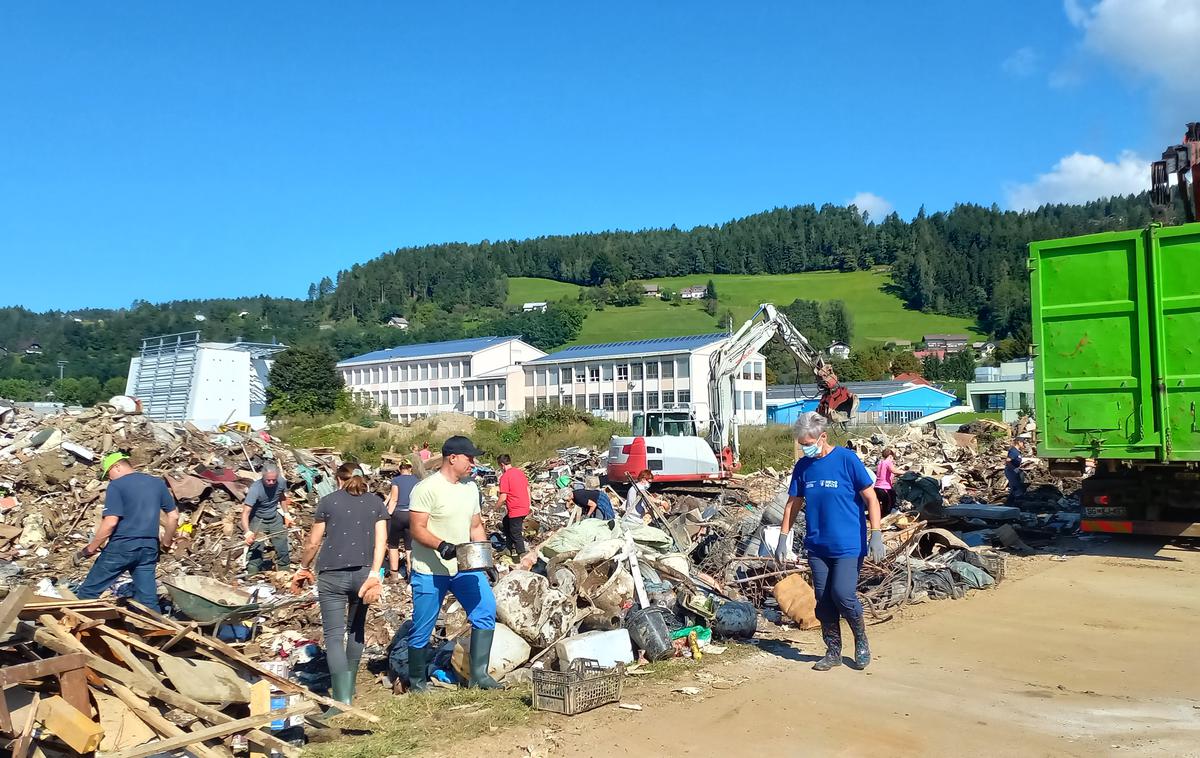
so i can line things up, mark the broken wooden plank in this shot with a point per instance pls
(21, 747)
(156, 721)
(212, 732)
(52, 635)
(179, 636)
(122, 727)
(260, 702)
(126, 656)
(64, 721)
(11, 606)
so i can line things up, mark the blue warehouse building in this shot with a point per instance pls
(887, 402)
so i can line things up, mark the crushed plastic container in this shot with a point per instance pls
(607, 649)
(508, 652)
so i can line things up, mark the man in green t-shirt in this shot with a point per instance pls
(444, 514)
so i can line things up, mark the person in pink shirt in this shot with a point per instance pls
(885, 474)
(424, 452)
(516, 499)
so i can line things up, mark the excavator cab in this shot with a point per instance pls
(664, 423)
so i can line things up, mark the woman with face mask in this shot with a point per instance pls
(834, 488)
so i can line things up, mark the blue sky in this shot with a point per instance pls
(166, 150)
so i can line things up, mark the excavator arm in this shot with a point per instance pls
(837, 403)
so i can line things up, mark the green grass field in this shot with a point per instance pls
(878, 315)
(526, 290)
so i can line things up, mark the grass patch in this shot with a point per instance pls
(418, 725)
(523, 289)
(652, 319)
(966, 418)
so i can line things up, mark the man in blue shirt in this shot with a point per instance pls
(132, 506)
(833, 487)
(265, 514)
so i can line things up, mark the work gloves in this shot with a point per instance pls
(781, 549)
(301, 580)
(875, 549)
(447, 550)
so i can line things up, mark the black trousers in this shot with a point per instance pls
(514, 535)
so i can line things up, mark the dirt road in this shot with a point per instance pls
(1091, 656)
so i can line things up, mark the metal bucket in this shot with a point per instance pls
(475, 556)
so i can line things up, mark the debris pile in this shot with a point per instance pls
(88, 675)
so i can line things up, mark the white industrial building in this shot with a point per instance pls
(1007, 389)
(481, 377)
(179, 378)
(616, 379)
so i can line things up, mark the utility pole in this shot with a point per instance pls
(61, 366)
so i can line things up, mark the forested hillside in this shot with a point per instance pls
(968, 261)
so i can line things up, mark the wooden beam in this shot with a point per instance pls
(22, 672)
(213, 732)
(66, 722)
(53, 636)
(126, 656)
(260, 702)
(159, 723)
(21, 748)
(11, 606)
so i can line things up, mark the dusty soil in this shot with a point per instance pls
(1094, 655)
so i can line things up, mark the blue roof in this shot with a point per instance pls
(633, 347)
(428, 350)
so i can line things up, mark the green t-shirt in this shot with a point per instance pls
(451, 507)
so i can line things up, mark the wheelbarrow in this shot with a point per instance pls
(214, 603)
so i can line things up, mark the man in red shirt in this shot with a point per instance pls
(515, 498)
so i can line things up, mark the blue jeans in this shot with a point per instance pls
(604, 508)
(835, 583)
(470, 588)
(138, 556)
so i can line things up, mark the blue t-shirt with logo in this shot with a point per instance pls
(833, 507)
(137, 499)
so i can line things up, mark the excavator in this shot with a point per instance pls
(668, 441)
(1182, 160)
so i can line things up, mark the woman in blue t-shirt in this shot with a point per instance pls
(833, 487)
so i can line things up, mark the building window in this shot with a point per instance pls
(737, 401)
(529, 405)
(594, 402)
(747, 400)
(608, 401)
(529, 378)
(746, 371)
(424, 371)
(554, 402)
(580, 376)
(758, 401)
(639, 402)
(541, 378)
(553, 379)
(652, 400)
(424, 398)
(636, 370)
(445, 396)
(541, 402)
(652, 370)
(683, 368)
(466, 368)
(491, 392)
(567, 375)
(685, 396)
(622, 402)
(623, 373)
(668, 397)
(395, 398)
(593, 373)
(455, 370)
(608, 372)
(758, 372)
(502, 390)
(668, 369)
(455, 396)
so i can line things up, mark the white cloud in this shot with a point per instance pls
(1023, 62)
(873, 205)
(1158, 38)
(1080, 178)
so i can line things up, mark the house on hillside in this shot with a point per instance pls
(839, 350)
(923, 354)
(911, 377)
(651, 290)
(33, 349)
(398, 322)
(951, 343)
(984, 349)
(895, 344)
(534, 307)
(693, 293)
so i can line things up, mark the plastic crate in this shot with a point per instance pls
(586, 686)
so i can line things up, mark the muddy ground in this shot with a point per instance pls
(1092, 655)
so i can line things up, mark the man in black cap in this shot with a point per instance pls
(444, 513)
